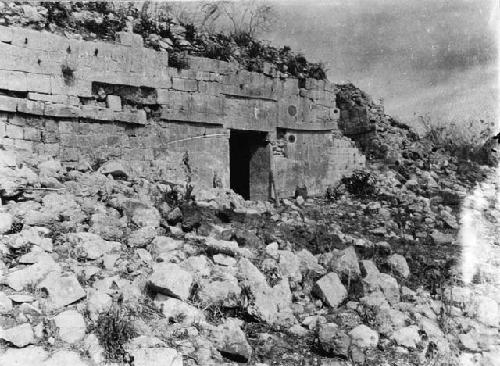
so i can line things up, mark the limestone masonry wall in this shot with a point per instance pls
(80, 100)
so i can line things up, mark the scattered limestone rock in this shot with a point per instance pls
(156, 357)
(94, 349)
(20, 336)
(226, 292)
(198, 265)
(231, 341)
(92, 246)
(388, 319)
(64, 358)
(345, 263)
(227, 247)
(50, 168)
(32, 235)
(31, 275)
(407, 337)
(398, 265)
(32, 355)
(272, 250)
(6, 222)
(164, 244)
(141, 237)
(364, 337)
(172, 280)
(334, 341)
(146, 217)
(116, 168)
(97, 303)
(431, 328)
(390, 288)
(108, 225)
(289, 266)
(298, 330)
(486, 310)
(330, 290)
(71, 326)
(270, 304)
(5, 304)
(7, 159)
(62, 289)
(440, 238)
(224, 260)
(309, 263)
(178, 311)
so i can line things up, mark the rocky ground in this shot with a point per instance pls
(99, 267)
(398, 265)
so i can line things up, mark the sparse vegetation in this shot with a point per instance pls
(463, 140)
(244, 19)
(178, 60)
(361, 183)
(68, 74)
(114, 329)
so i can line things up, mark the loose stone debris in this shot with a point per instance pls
(98, 267)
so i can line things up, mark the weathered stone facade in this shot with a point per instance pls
(75, 100)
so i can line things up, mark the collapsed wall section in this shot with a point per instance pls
(79, 100)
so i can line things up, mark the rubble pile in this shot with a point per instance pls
(200, 277)
(379, 135)
(99, 266)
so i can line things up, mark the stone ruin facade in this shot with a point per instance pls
(212, 122)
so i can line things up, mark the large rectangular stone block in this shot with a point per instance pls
(38, 83)
(13, 80)
(134, 117)
(114, 102)
(207, 104)
(203, 64)
(61, 110)
(58, 99)
(24, 145)
(130, 39)
(32, 39)
(31, 107)
(32, 134)
(74, 87)
(14, 132)
(67, 139)
(189, 85)
(8, 104)
(70, 154)
(67, 127)
(49, 136)
(6, 34)
(209, 87)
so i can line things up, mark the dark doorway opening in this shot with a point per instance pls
(250, 164)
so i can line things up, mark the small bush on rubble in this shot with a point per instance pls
(361, 183)
(178, 60)
(114, 329)
(333, 193)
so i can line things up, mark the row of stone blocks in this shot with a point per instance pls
(49, 64)
(47, 109)
(44, 53)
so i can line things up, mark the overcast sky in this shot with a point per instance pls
(422, 56)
